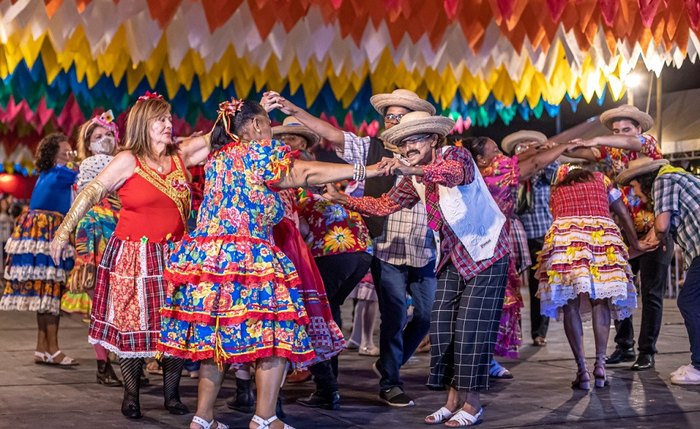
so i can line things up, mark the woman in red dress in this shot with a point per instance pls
(150, 178)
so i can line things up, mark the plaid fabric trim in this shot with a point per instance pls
(464, 326)
(129, 294)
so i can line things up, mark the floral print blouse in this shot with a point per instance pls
(333, 229)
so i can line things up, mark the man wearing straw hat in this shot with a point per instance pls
(473, 262)
(404, 248)
(629, 142)
(533, 208)
(676, 198)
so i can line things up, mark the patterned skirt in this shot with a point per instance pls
(509, 332)
(326, 337)
(33, 282)
(585, 255)
(91, 237)
(234, 299)
(364, 291)
(129, 293)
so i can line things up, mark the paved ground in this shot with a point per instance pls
(35, 396)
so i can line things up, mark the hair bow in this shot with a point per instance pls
(106, 120)
(563, 171)
(150, 96)
(227, 112)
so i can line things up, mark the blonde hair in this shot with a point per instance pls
(83, 139)
(136, 139)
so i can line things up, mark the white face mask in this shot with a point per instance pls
(103, 146)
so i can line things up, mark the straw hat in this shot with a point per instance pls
(511, 141)
(418, 123)
(291, 125)
(639, 167)
(403, 98)
(627, 111)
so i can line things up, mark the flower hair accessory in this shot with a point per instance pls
(150, 96)
(106, 120)
(563, 171)
(227, 112)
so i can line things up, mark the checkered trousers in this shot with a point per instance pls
(464, 327)
(129, 293)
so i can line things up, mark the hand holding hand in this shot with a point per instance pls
(270, 101)
(334, 195)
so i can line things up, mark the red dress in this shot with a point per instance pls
(325, 335)
(130, 289)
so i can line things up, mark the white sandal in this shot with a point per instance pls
(439, 416)
(265, 424)
(465, 419)
(207, 425)
(66, 361)
(40, 357)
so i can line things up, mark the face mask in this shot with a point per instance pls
(103, 146)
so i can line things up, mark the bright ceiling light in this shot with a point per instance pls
(633, 80)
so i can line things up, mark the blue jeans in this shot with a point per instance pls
(397, 339)
(689, 305)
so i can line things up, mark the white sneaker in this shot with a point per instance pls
(680, 370)
(686, 375)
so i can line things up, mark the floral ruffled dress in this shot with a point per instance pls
(233, 293)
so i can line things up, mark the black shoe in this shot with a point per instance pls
(621, 355)
(396, 397)
(644, 361)
(131, 408)
(319, 400)
(175, 406)
(106, 375)
(244, 401)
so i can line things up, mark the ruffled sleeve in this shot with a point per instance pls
(271, 159)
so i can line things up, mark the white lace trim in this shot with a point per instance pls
(622, 297)
(112, 348)
(34, 247)
(39, 304)
(140, 285)
(27, 272)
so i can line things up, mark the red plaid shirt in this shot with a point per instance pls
(452, 168)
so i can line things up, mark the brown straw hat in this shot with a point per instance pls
(511, 141)
(627, 111)
(418, 123)
(402, 98)
(639, 167)
(291, 125)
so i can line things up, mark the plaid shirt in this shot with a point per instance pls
(406, 239)
(451, 168)
(538, 218)
(679, 193)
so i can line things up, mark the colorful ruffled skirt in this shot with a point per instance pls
(91, 237)
(325, 335)
(33, 282)
(585, 255)
(129, 293)
(234, 299)
(509, 332)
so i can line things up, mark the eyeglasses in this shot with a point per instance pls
(413, 139)
(390, 117)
